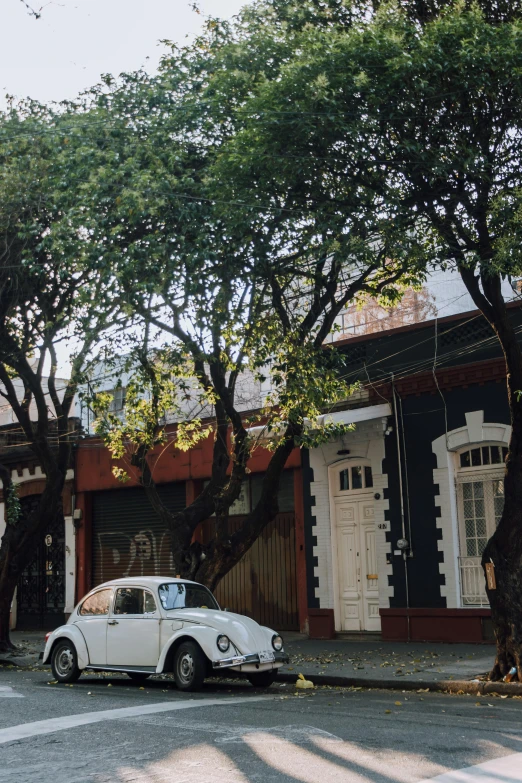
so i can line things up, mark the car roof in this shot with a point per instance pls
(144, 581)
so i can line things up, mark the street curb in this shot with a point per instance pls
(449, 686)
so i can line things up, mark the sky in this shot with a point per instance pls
(74, 41)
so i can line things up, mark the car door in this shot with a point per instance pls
(133, 633)
(92, 622)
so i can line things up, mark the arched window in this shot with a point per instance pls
(355, 477)
(483, 456)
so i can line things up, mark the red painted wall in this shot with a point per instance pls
(94, 465)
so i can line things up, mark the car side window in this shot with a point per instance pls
(129, 600)
(150, 603)
(96, 604)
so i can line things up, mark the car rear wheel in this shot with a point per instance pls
(64, 662)
(138, 676)
(190, 666)
(263, 679)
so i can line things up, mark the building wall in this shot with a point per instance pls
(250, 394)
(431, 570)
(419, 594)
(7, 415)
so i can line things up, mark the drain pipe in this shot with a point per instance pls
(401, 492)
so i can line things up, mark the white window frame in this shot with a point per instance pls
(484, 474)
(476, 432)
(348, 465)
(470, 565)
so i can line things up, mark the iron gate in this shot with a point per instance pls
(41, 589)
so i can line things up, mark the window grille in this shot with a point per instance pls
(471, 332)
(483, 456)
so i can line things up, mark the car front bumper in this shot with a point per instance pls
(239, 660)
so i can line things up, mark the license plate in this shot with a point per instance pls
(266, 657)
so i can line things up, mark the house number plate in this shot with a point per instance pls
(266, 657)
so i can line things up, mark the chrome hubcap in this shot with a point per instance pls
(64, 662)
(186, 667)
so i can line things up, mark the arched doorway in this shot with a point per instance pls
(354, 551)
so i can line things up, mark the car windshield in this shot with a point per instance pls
(176, 595)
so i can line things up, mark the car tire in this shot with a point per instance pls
(263, 679)
(190, 666)
(138, 676)
(64, 662)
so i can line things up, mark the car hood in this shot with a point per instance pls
(247, 635)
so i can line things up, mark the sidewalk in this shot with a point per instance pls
(397, 665)
(29, 644)
(385, 660)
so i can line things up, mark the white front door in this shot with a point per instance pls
(133, 632)
(357, 566)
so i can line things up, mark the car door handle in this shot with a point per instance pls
(112, 622)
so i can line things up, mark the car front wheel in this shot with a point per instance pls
(64, 662)
(190, 666)
(263, 679)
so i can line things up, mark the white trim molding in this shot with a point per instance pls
(70, 564)
(475, 432)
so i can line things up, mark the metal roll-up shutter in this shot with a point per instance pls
(128, 538)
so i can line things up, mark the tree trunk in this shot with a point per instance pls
(225, 551)
(504, 549)
(6, 587)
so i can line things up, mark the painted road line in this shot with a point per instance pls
(8, 693)
(507, 769)
(51, 725)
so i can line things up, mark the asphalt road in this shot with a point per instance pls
(107, 729)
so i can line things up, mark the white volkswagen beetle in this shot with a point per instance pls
(149, 625)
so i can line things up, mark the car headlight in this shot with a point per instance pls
(223, 642)
(277, 642)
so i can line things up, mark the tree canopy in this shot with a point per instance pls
(52, 292)
(237, 249)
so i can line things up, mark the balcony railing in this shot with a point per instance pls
(472, 582)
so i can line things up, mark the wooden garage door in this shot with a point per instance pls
(263, 585)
